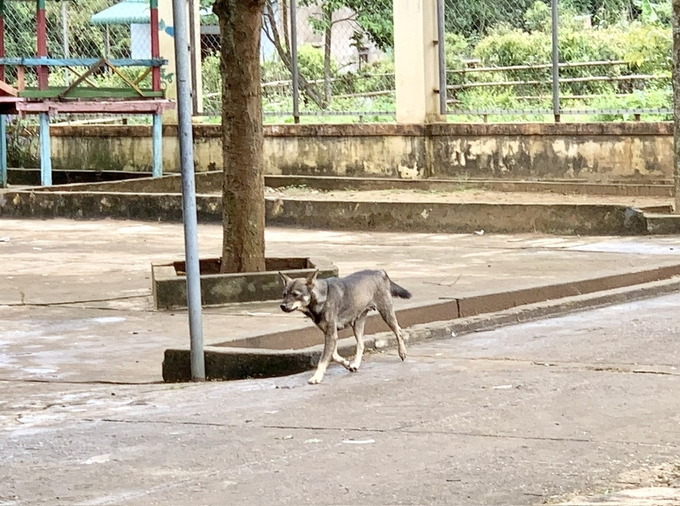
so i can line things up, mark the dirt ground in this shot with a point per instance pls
(467, 196)
(654, 485)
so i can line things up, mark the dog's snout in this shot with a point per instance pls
(286, 308)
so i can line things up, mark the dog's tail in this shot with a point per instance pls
(398, 291)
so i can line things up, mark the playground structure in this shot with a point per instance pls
(25, 87)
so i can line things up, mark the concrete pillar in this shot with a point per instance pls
(166, 42)
(416, 61)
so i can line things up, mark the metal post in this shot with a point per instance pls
(293, 56)
(555, 63)
(3, 151)
(45, 153)
(186, 154)
(3, 118)
(157, 136)
(194, 58)
(41, 29)
(441, 57)
(64, 35)
(155, 45)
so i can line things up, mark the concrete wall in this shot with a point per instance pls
(593, 151)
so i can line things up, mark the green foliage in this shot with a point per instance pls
(538, 17)
(473, 18)
(310, 62)
(373, 17)
(373, 77)
(649, 99)
(85, 40)
(207, 16)
(22, 143)
(634, 33)
(648, 48)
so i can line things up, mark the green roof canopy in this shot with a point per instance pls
(124, 13)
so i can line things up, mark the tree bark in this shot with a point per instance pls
(242, 138)
(676, 101)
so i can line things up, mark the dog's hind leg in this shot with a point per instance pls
(390, 318)
(340, 359)
(358, 328)
(329, 349)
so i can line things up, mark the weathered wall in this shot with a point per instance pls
(592, 151)
(597, 151)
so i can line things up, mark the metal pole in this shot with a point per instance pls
(45, 152)
(64, 36)
(555, 63)
(157, 145)
(186, 154)
(3, 118)
(41, 29)
(194, 59)
(3, 151)
(293, 55)
(441, 56)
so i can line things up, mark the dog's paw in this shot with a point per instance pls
(402, 354)
(315, 380)
(353, 368)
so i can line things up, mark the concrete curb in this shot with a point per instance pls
(208, 182)
(583, 219)
(241, 363)
(169, 289)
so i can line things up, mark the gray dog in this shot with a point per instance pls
(336, 303)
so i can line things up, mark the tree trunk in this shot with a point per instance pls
(242, 138)
(676, 101)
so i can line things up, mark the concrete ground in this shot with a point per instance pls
(519, 415)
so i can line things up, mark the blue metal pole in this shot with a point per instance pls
(157, 167)
(3, 151)
(186, 155)
(45, 152)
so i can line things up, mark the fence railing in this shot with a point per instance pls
(498, 58)
(525, 59)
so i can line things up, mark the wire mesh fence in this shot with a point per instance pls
(344, 68)
(614, 60)
(78, 29)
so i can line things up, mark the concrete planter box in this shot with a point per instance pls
(169, 282)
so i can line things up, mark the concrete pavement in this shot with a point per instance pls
(513, 416)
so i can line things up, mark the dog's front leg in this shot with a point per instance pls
(330, 343)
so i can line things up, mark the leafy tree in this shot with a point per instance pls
(375, 20)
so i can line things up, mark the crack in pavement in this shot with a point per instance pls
(631, 368)
(401, 430)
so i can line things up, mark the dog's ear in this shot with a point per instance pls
(311, 279)
(284, 279)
